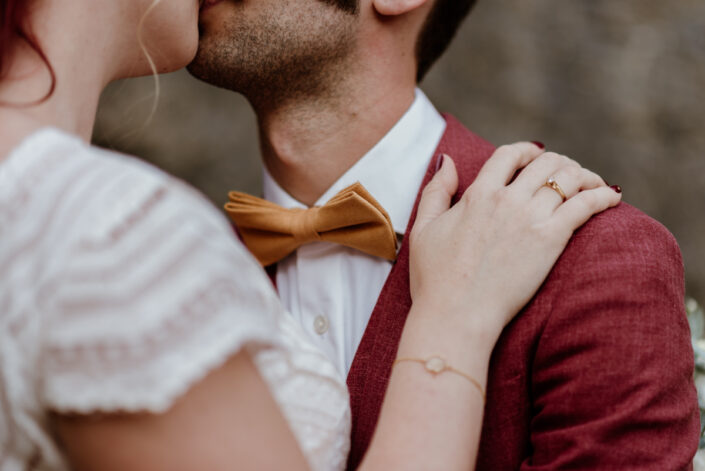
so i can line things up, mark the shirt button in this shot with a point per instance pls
(320, 325)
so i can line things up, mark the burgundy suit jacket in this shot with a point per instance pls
(597, 370)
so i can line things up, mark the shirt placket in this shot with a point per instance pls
(316, 311)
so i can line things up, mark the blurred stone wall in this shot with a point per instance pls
(619, 85)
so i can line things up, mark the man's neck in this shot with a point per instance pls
(309, 144)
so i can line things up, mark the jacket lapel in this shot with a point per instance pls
(371, 368)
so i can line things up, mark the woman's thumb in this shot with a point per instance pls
(437, 195)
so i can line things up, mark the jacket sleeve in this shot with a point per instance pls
(612, 379)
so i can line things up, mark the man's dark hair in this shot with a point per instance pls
(351, 6)
(441, 25)
(438, 31)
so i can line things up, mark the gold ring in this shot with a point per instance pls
(553, 184)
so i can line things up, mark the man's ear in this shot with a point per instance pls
(397, 7)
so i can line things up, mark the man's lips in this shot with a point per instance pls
(206, 4)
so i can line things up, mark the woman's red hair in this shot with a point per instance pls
(13, 27)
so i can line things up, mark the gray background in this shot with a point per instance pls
(618, 85)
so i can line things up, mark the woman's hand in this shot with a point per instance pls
(497, 245)
(473, 267)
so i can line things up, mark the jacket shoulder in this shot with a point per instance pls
(624, 237)
(615, 345)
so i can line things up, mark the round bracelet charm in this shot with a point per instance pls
(436, 365)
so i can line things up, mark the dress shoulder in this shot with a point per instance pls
(153, 291)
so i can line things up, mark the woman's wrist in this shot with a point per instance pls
(463, 345)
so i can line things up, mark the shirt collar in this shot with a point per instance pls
(392, 171)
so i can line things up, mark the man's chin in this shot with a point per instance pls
(205, 58)
(197, 67)
(209, 69)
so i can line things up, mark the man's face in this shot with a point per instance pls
(274, 49)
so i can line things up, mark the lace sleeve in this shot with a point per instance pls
(155, 293)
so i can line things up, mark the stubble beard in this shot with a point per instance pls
(283, 55)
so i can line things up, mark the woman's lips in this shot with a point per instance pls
(206, 4)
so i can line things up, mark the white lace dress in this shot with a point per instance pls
(119, 289)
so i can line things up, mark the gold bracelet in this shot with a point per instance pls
(437, 365)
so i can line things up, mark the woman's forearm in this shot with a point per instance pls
(431, 421)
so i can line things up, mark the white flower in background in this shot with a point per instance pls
(699, 461)
(696, 319)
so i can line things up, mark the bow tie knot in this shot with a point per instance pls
(352, 218)
(303, 224)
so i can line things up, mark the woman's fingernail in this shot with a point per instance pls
(616, 188)
(539, 144)
(439, 162)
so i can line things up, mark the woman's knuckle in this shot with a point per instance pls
(591, 177)
(505, 149)
(550, 158)
(594, 176)
(590, 200)
(509, 152)
(576, 173)
(562, 162)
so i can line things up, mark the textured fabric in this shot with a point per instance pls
(121, 288)
(597, 370)
(352, 218)
(331, 290)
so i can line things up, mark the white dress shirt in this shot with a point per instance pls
(331, 289)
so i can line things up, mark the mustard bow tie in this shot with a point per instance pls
(352, 218)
